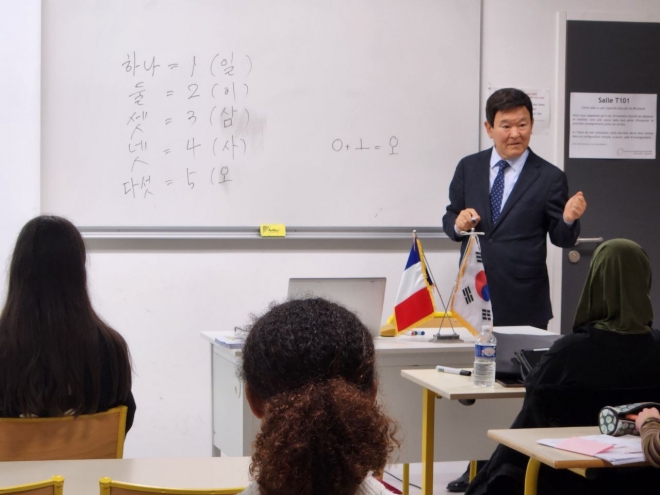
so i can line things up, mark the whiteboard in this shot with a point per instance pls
(187, 113)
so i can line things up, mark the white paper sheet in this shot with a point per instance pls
(613, 125)
(626, 449)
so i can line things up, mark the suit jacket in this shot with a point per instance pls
(514, 249)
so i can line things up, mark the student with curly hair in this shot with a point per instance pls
(57, 356)
(308, 367)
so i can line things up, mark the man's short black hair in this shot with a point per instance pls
(506, 99)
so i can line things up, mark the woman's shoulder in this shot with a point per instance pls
(589, 348)
(111, 343)
(569, 341)
(252, 489)
(589, 335)
(370, 486)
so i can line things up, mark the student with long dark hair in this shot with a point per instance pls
(308, 367)
(57, 356)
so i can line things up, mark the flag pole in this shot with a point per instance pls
(423, 306)
(437, 337)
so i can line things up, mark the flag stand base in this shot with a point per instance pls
(439, 320)
(452, 338)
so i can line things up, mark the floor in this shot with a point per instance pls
(443, 473)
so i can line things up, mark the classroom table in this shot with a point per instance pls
(234, 426)
(81, 477)
(524, 441)
(453, 388)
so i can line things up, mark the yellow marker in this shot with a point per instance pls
(273, 230)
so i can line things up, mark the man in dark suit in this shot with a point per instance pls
(516, 199)
(533, 203)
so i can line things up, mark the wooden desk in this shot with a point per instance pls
(524, 441)
(82, 477)
(399, 395)
(454, 387)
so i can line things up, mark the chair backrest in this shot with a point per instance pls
(53, 486)
(111, 487)
(88, 436)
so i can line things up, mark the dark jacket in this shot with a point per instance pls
(514, 249)
(576, 378)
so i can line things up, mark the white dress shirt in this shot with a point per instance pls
(511, 173)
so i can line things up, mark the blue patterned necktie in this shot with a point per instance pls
(497, 192)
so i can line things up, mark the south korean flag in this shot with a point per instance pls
(470, 301)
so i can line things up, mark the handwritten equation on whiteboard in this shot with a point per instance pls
(392, 143)
(186, 121)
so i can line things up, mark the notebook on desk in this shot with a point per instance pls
(363, 296)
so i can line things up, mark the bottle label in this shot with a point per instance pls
(484, 351)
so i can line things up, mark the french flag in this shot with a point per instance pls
(414, 301)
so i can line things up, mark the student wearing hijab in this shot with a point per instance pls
(611, 358)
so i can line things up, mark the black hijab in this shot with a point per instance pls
(616, 294)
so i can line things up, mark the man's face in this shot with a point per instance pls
(511, 132)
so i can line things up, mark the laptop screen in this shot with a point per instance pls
(363, 296)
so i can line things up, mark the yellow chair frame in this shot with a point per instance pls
(110, 487)
(56, 483)
(87, 436)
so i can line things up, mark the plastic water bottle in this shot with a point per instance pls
(485, 350)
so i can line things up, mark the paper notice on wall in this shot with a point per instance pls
(613, 125)
(540, 103)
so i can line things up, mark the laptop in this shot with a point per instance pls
(507, 364)
(363, 296)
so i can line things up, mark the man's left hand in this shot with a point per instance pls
(575, 207)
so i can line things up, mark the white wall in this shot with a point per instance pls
(160, 294)
(20, 25)
(520, 48)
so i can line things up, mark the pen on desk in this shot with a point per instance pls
(453, 371)
(541, 349)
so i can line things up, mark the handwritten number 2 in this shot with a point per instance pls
(194, 91)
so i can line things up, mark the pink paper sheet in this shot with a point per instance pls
(583, 446)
